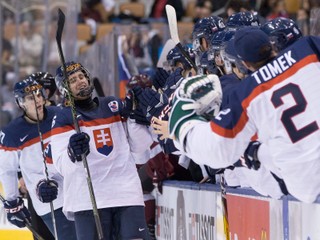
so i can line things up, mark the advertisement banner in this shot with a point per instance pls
(248, 218)
(185, 214)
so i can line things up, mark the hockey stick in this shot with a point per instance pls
(27, 222)
(165, 50)
(173, 27)
(45, 166)
(224, 206)
(61, 20)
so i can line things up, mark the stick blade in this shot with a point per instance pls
(165, 50)
(172, 21)
(61, 21)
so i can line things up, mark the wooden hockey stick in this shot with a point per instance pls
(61, 21)
(27, 222)
(173, 27)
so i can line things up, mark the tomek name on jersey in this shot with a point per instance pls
(274, 68)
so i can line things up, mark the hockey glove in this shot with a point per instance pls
(47, 190)
(173, 81)
(78, 145)
(137, 91)
(206, 91)
(152, 102)
(128, 105)
(17, 213)
(182, 118)
(251, 155)
(160, 78)
(139, 117)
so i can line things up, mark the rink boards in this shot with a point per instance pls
(192, 211)
(251, 216)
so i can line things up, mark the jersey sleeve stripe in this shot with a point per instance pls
(27, 143)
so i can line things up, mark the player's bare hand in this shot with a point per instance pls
(160, 127)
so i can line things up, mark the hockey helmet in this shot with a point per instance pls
(46, 80)
(207, 66)
(26, 87)
(71, 68)
(175, 56)
(218, 43)
(231, 56)
(282, 32)
(241, 19)
(205, 28)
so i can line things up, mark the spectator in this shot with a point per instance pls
(97, 10)
(278, 10)
(30, 46)
(6, 58)
(204, 8)
(158, 9)
(7, 98)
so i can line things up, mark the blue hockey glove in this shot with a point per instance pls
(78, 145)
(139, 117)
(251, 155)
(47, 190)
(17, 213)
(152, 102)
(160, 78)
(128, 104)
(173, 81)
(137, 91)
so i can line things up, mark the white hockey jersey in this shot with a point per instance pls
(113, 172)
(20, 146)
(280, 102)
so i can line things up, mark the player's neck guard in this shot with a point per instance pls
(86, 104)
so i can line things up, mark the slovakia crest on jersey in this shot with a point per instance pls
(103, 141)
(113, 105)
(47, 153)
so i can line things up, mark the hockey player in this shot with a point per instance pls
(49, 86)
(203, 30)
(21, 146)
(282, 32)
(278, 101)
(108, 146)
(242, 19)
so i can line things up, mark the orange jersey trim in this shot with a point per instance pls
(95, 122)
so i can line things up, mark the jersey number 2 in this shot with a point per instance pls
(287, 115)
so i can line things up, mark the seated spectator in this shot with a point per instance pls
(204, 8)
(30, 47)
(98, 10)
(158, 9)
(278, 10)
(6, 58)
